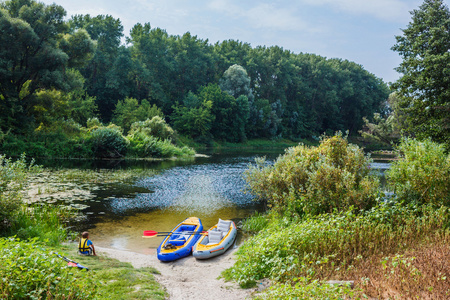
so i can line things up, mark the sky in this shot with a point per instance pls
(362, 31)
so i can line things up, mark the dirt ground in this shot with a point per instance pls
(187, 278)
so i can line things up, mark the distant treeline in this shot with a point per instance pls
(52, 71)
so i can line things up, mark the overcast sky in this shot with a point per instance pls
(362, 31)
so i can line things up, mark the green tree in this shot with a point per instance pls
(388, 128)
(153, 61)
(79, 46)
(30, 57)
(103, 70)
(130, 111)
(425, 82)
(194, 120)
(236, 82)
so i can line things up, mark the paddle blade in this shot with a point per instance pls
(149, 233)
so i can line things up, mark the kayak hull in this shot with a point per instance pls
(180, 241)
(204, 250)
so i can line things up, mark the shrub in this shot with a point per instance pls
(155, 127)
(314, 180)
(93, 123)
(142, 145)
(421, 174)
(108, 142)
(30, 272)
(255, 223)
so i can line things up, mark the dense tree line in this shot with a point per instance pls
(53, 70)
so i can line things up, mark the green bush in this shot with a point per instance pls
(142, 145)
(155, 127)
(30, 272)
(320, 246)
(422, 174)
(108, 142)
(12, 145)
(314, 180)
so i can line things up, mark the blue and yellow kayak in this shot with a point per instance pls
(181, 240)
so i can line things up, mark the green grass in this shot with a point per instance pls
(258, 143)
(115, 279)
(326, 245)
(42, 222)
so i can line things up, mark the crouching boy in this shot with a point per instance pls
(86, 247)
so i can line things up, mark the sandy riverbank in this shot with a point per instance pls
(187, 278)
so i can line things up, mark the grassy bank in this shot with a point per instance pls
(330, 221)
(30, 270)
(258, 144)
(30, 233)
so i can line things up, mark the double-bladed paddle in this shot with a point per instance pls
(71, 263)
(152, 233)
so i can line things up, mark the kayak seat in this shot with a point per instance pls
(186, 228)
(223, 226)
(177, 240)
(214, 237)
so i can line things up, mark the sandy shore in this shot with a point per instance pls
(187, 278)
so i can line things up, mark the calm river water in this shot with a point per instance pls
(207, 187)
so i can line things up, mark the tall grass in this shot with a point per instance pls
(46, 223)
(321, 246)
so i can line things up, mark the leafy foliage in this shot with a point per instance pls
(156, 127)
(31, 272)
(314, 180)
(30, 57)
(225, 92)
(130, 111)
(424, 85)
(305, 288)
(108, 142)
(155, 138)
(422, 173)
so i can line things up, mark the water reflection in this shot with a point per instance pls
(208, 188)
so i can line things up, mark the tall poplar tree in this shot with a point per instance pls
(425, 83)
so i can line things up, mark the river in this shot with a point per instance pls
(209, 187)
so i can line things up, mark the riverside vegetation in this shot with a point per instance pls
(31, 232)
(330, 220)
(384, 244)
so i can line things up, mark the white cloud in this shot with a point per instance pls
(389, 10)
(262, 15)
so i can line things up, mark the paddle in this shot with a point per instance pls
(152, 233)
(71, 263)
